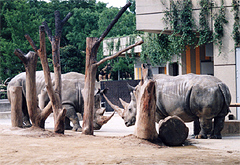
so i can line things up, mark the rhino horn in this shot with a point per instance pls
(124, 103)
(105, 119)
(115, 107)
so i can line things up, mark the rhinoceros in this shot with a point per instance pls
(72, 100)
(190, 97)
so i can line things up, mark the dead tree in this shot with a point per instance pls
(16, 106)
(36, 115)
(54, 95)
(59, 113)
(146, 106)
(92, 45)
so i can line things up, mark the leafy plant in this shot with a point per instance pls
(220, 20)
(205, 34)
(157, 48)
(236, 25)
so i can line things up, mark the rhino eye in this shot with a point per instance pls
(130, 110)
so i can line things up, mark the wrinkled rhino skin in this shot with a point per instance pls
(191, 97)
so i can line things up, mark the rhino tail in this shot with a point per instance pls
(226, 94)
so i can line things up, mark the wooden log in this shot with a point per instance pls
(16, 106)
(173, 131)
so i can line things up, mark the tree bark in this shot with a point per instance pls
(55, 95)
(146, 107)
(173, 131)
(30, 63)
(88, 92)
(16, 106)
(91, 69)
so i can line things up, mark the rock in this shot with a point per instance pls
(173, 131)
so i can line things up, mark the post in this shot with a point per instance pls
(146, 106)
(145, 119)
(88, 94)
(16, 106)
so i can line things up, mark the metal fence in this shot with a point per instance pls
(3, 91)
(116, 90)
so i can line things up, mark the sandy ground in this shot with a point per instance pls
(113, 144)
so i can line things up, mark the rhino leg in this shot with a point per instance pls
(67, 124)
(218, 126)
(26, 120)
(206, 127)
(196, 127)
(72, 115)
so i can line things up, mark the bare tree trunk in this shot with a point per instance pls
(56, 96)
(30, 63)
(146, 107)
(88, 93)
(91, 69)
(16, 106)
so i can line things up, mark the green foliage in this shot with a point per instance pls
(236, 25)
(17, 20)
(220, 20)
(83, 22)
(72, 60)
(157, 48)
(205, 34)
(160, 48)
(126, 25)
(132, 8)
(89, 19)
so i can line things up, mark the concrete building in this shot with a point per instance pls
(204, 59)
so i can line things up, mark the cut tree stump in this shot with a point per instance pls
(145, 95)
(16, 106)
(173, 131)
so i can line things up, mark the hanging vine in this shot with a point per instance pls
(220, 20)
(182, 23)
(236, 25)
(205, 34)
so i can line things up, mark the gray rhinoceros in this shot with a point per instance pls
(190, 97)
(72, 100)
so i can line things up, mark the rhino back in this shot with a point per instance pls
(173, 95)
(210, 97)
(20, 80)
(190, 96)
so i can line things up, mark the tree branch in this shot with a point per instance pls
(118, 53)
(47, 110)
(20, 55)
(66, 18)
(110, 26)
(48, 31)
(43, 58)
(31, 42)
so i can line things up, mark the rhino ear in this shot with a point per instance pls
(100, 111)
(125, 104)
(130, 88)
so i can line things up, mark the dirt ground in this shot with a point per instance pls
(24, 146)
